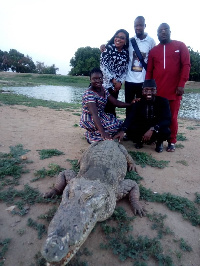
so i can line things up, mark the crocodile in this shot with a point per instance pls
(89, 197)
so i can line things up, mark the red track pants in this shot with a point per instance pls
(174, 107)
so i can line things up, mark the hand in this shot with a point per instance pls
(135, 100)
(180, 91)
(117, 86)
(102, 48)
(147, 136)
(105, 136)
(119, 136)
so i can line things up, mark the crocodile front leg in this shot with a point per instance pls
(130, 187)
(61, 181)
(131, 166)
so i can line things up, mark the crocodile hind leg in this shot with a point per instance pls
(61, 181)
(128, 186)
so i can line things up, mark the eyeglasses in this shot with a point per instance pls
(120, 37)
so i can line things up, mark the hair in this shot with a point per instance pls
(141, 17)
(95, 70)
(111, 41)
(167, 25)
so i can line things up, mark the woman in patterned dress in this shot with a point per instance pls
(114, 65)
(98, 124)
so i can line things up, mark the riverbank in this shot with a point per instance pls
(38, 128)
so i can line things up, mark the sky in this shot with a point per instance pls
(51, 31)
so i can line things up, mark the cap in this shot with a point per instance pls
(149, 83)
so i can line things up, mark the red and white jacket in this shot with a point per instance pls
(169, 65)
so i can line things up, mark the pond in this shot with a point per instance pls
(190, 107)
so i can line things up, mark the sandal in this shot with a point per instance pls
(171, 147)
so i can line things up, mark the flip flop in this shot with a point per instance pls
(171, 147)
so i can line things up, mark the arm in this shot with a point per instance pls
(105, 58)
(93, 111)
(185, 69)
(120, 104)
(149, 72)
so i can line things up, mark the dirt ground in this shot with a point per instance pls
(44, 128)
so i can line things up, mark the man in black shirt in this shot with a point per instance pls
(149, 119)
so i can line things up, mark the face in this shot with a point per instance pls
(120, 40)
(96, 80)
(163, 33)
(139, 26)
(149, 93)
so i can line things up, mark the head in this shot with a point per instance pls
(139, 26)
(164, 33)
(149, 89)
(96, 78)
(120, 39)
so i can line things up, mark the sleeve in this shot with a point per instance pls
(104, 65)
(185, 65)
(149, 72)
(125, 69)
(89, 97)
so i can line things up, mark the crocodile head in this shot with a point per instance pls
(84, 202)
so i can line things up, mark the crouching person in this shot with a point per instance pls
(149, 119)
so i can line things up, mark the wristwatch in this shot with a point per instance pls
(156, 128)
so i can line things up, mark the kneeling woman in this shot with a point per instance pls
(99, 125)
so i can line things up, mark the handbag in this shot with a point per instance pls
(138, 53)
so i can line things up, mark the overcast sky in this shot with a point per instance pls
(51, 31)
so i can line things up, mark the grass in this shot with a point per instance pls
(54, 170)
(40, 228)
(12, 165)
(183, 162)
(19, 79)
(49, 215)
(14, 99)
(4, 247)
(48, 153)
(175, 203)
(181, 137)
(143, 159)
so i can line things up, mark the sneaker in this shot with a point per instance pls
(159, 147)
(171, 147)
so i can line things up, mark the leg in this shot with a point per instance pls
(174, 107)
(61, 181)
(109, 107)
(130, 187)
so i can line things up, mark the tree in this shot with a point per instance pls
(42, 69)
(84, 60)
(195, 65)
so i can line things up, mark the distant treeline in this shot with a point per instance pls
(18, 62)
(85, 58)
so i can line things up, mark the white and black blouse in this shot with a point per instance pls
(114, 65)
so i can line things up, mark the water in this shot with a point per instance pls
(190, 107)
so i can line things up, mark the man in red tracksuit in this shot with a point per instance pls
(169, 65)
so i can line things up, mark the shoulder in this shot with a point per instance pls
(179, 44)
(160, 99)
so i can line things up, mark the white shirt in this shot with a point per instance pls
(136, 73)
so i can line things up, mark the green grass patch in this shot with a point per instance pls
(191, 128)
(133, 176)
(49, 215)
(144, 159)
(54, 170)
(183, 162)
(175, 203)
(21, 198)
(76, 125)
(48, 153)
(140, 249)
(197, 200)
(185, 246)
(40, 228)
(179, 146)
(157, 220)
(3, 249)
(181, 137)
(15, 99)
(12, 165)
(75, 165)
